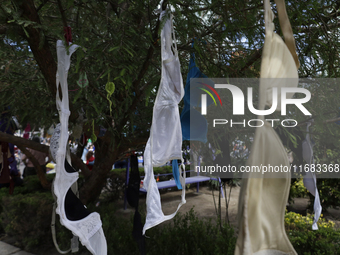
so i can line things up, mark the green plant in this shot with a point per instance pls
(297, 189)
(329, 191)
(307, 241)
(187, 234)
(25, 217)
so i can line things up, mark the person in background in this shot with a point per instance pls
(40, 156)
(90, 160)
(12, 164)
(73, 146)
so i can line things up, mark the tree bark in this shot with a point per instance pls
(106, 155)
(21, 142)
(105, 158)
(42, 54)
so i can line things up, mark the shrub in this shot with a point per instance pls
(306, 241)
(186, 234)
(28, 218)
(297, 189)
(26, 215)
(329, 191)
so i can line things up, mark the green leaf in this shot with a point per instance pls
(77, 96)
(128, 51)
(122, 72)
(80, 55)
(94, 105)
(6, 9)
(26, 32)
(114, 48)
(27, 23)
(105, 74)
(93, 136)
(110, 88)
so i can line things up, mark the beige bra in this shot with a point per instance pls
(263, 197)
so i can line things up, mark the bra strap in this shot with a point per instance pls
(268, 17)
(287, 29)
(174, 44)
(284, 24)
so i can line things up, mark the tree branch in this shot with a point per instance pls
(91, 84)
(143, 70)
(41, 175)
(63, 17)
(43, 54)
(315, 28)
(76, 162)
(41, 5)
(253, 58)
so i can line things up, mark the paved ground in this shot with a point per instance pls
(7, 249)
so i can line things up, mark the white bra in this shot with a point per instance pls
(89, 228)
(165, 142)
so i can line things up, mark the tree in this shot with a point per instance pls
(120, 43)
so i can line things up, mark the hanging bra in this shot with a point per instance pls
(309, 180)
(73, 215)
(263, 197)
(165, 141)
(192, 98)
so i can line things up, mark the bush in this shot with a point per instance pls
(26, 215)
(329, 191)
(297, 189)
(28, 218)
(306, 241)
(189, 235)
(186, 234)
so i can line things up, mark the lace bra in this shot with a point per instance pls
(73, 215)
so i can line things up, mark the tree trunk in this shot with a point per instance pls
(41, 50)
(104, 159)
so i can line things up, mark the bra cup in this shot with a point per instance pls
(265, 209)
(263, 195)
(54, 145)
(171, 89)
(166, 131)
(172, 80)
(278, 69)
